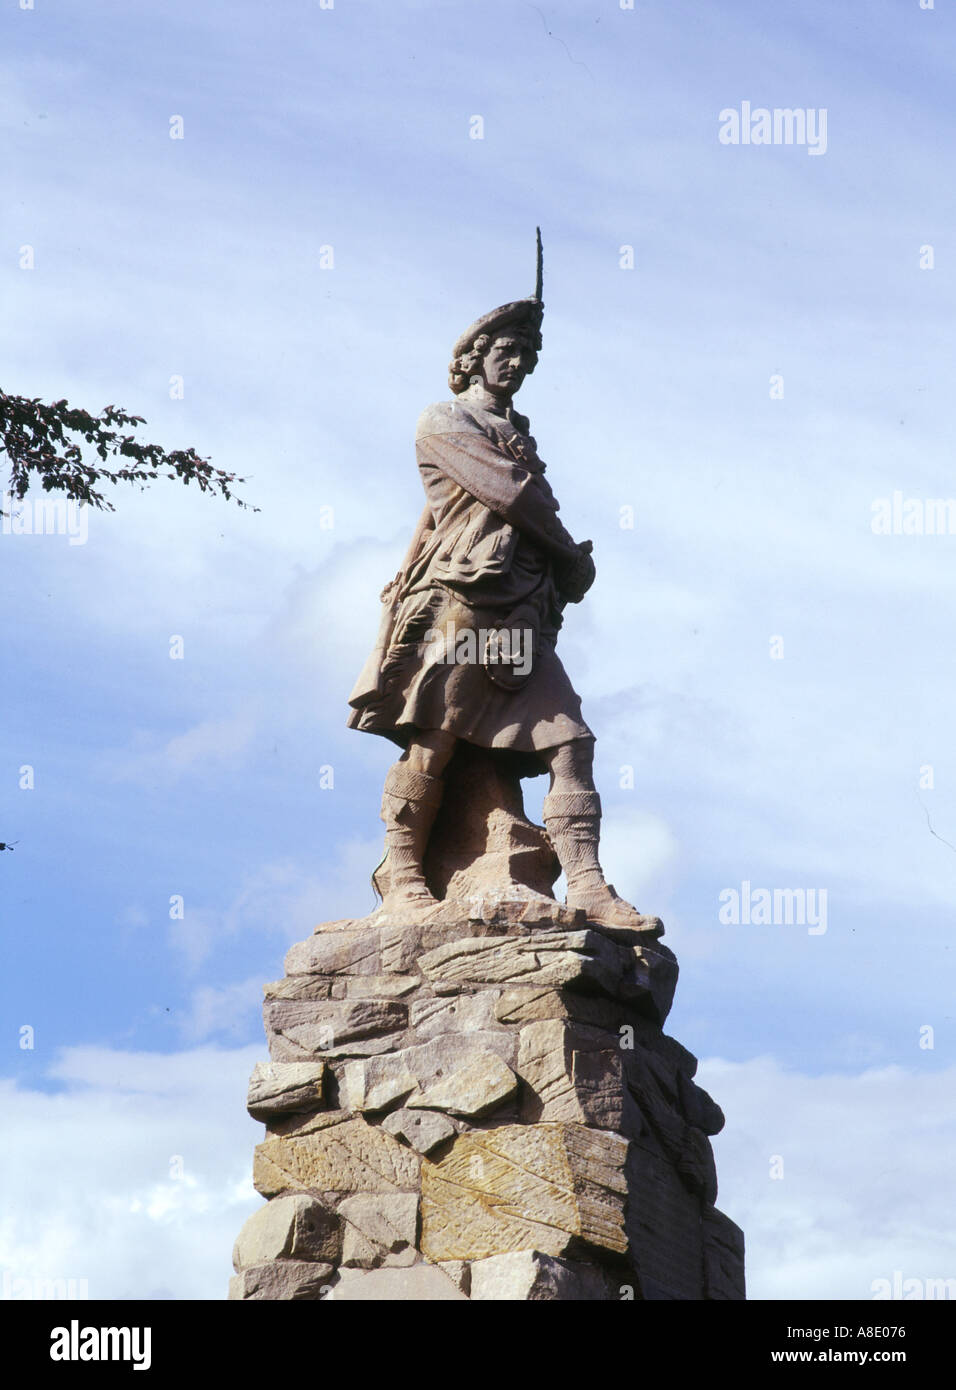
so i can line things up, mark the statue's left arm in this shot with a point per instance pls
(521, 497)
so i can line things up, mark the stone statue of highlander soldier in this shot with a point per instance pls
(449, 1110)
(490, 560)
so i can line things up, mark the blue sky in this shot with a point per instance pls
(307, 128)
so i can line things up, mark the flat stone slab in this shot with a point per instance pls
(531, 1277)
(295, 1280)
(477, 1086)
(466, 1074)
(554, 1188)
(305, 987)
(492, 909)
(423, 1130)
(545, 958)
(459, 1013)
(422, 1283)
(349, 1157)
(300, 1030)
(334, 951)
(283, 1088)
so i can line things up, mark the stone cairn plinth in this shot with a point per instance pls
(482, 1104)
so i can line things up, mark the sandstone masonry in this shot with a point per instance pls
(482, 1107)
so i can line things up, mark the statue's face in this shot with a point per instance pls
(506, 364)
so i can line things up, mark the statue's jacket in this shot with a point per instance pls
(489, 554)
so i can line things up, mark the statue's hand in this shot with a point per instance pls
(577, 576)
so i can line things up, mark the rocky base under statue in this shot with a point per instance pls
(481, 1102)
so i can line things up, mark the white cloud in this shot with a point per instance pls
(866, 1186)
(89, 1191)
(209, 744)
(226, 1011)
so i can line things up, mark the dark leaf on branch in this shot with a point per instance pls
(33, 437)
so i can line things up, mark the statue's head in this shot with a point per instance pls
(499, 350)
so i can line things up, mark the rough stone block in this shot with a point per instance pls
(461, 1013)
(723, 1257)
(548, 1187)
(349, 1157)
(304, 987)
(573, 1072)
(284, 1088)
(586, 960)
(479, 1085)
(459, 1272)
(285, 1279)
(656, 1089)
(300, 1030)
(423, 1129)
(356, 951)
(372, 1084)
(380, 1230)
(651, 979)
(663, 1227)
(401, 947)
(530, 1276)
(521, 1004)
(296, 1227)
(696, 1164)
(381, 986)
(293, 1125)
(421, 1283)
(700, 1109)
(543, 958)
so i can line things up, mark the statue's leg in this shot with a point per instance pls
(572, 818)
(410, 800)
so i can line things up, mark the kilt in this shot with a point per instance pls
(421, 686)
